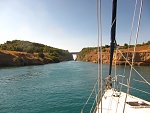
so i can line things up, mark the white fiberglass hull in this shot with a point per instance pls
(113, 102)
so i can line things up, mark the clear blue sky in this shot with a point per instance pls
(68, 24)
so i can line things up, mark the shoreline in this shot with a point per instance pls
(15, 58)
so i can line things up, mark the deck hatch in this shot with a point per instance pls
(138, 104)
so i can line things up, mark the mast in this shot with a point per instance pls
(113, 33)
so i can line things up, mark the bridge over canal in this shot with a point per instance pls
(74, 54)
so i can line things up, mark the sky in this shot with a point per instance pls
(69, 24)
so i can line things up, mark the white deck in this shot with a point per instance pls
(112, 104)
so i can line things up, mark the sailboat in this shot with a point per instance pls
(109, 98)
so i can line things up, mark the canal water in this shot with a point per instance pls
(53, 88)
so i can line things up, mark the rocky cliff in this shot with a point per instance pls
(142, 56)
(14, 58)
(22, 53)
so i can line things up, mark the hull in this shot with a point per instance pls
(113, 102)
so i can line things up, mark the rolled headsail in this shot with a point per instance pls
(113, 33)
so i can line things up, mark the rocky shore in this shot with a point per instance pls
(14, 58)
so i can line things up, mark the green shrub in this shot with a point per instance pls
(41, 55)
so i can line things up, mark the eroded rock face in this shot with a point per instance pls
(141, 57)
(9, 58)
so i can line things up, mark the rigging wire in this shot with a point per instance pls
(139, 81)
(118, 103)
(133, 68)
(133, 79)
(94, 88)
(121, 83)
(93, 105)
(101, 50)
(134, 51)
(134, 88)
(97, 10)
(115, 77)
(113, 41)
(136, 40)
(130, 36)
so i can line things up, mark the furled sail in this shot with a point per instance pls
(113, 33)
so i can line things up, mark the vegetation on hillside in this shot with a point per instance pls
(31, 47)
(126, 45)
(105, 48)
(85, 51)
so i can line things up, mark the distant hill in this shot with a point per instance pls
(26, 46)
(27, 52)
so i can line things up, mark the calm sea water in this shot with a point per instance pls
(54, 88)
